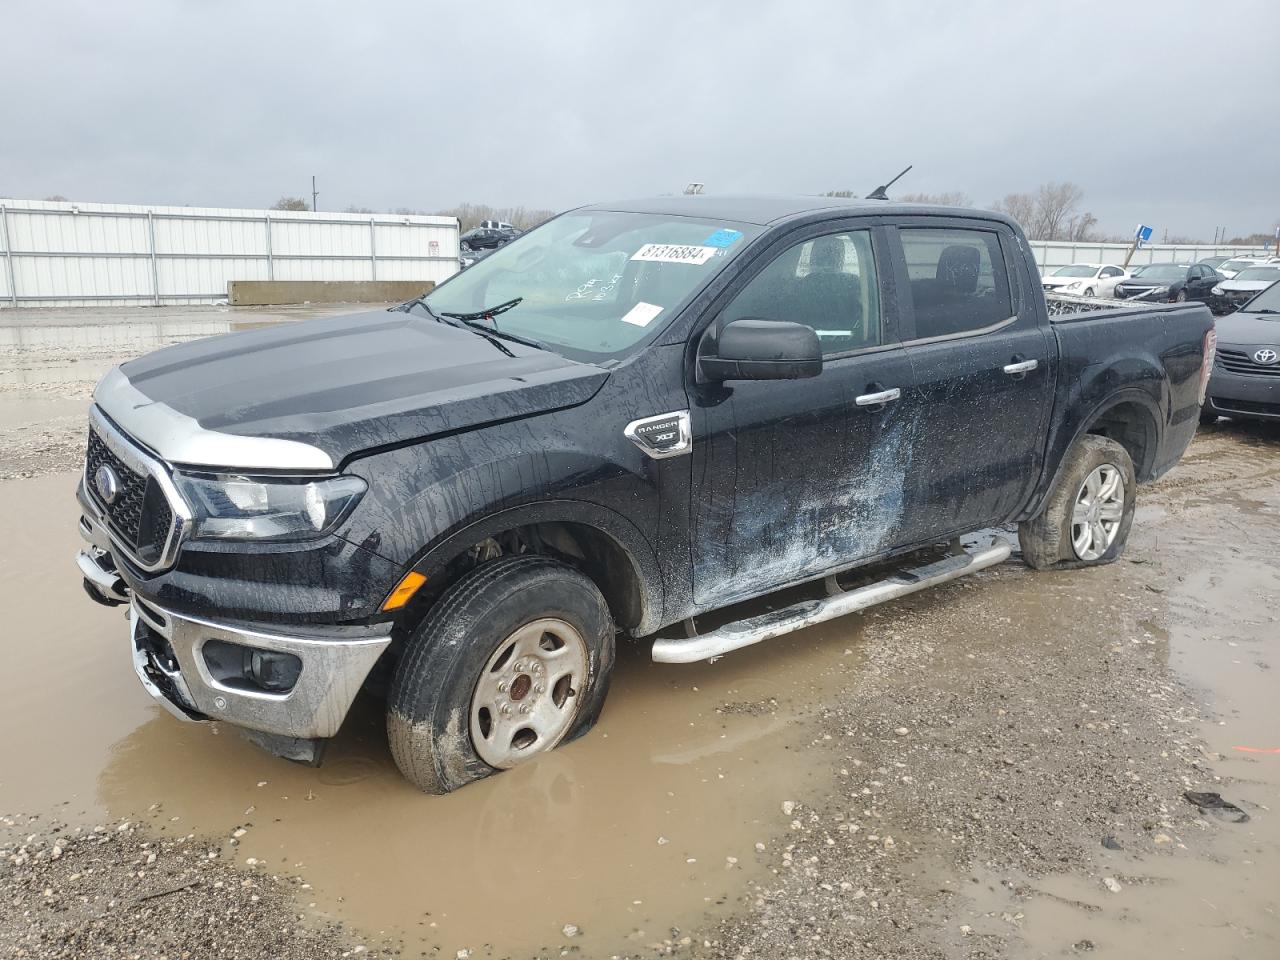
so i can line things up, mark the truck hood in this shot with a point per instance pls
(309, 395)
(1249, 329)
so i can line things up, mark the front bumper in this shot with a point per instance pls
(170, 660)
(1242, 395)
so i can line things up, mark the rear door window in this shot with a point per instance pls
(957, 279)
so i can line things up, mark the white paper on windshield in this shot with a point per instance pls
(674, 253)
(642, 314)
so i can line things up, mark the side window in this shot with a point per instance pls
(1111, 272)
(828, 283)
(958, 280)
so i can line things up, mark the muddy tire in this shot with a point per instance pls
(1095, 490)
(514, 659)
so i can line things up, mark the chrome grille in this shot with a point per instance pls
(147, 518)
(1239, 361)
(124, 514)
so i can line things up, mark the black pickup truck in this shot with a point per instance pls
(632, 416)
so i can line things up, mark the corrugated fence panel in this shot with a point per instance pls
(61, 253)
(1054, 253)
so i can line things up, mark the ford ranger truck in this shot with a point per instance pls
(633, 416)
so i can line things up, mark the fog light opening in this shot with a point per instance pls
(250, 668)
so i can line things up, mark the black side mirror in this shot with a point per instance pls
(752, 349)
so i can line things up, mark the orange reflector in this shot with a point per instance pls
(404, 590)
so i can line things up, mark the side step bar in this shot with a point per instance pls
(744, 633)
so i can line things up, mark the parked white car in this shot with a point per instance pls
(1236, 264)
(1232, 294)
(1085, 279)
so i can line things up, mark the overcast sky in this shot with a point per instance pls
(1162, 112)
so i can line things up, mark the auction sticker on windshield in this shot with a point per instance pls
(642, 314)
(673, 253)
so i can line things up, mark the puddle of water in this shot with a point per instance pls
(17, 410)
(1218, 627)
(572, 838)
(81, 345)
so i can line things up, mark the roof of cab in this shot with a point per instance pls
(764, 210)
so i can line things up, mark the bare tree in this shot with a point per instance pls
(1080, 227)
(1051, 213)
(952, 198)
(58, 198)
(291, 203)
(1020, 206)
(843, 194)
(1055, 205)
(470, 215)
(355, 209)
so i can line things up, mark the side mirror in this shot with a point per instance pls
(752, 349)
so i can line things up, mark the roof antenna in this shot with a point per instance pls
(879, 192)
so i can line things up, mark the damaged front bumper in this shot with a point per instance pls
(286, 687)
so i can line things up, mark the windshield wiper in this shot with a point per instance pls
(488, 313)
(473, 319)
(453, 320)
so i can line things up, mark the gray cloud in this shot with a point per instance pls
(554, 104)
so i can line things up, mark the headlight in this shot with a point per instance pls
(234, 507)
(1072, 286)
(1217, 291)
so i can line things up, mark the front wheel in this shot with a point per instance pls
(1086, 520)
(1181, 297)
(512, 661)
(1089, 292)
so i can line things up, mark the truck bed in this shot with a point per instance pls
(1155, 350)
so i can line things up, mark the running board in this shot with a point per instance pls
(744, 633)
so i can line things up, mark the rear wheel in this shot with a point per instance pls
(512, 661)
(1086, 520)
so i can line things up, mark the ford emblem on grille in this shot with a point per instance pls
(108, 484)
(1265, 356)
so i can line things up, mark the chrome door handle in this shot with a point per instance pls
(874, 399)
(1017, 369)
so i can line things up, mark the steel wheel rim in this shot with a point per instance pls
(1098, 512)
(526, 698)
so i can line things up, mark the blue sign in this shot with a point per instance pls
(1142, 235)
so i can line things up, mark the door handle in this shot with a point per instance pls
(878, 398)
(1020, 368)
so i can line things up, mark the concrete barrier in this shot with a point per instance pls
(263, 293)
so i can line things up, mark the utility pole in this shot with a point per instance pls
(314, 194)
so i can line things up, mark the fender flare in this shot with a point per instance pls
(1135, 395)
(622, 532)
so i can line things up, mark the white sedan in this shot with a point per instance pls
(1085, 279)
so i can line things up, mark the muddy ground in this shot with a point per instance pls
(996, 768)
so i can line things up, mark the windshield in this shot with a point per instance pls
(1268, 301)
(1076, 270)
(1161, 271)
(1214, 262)
(1236, 264)
(1259, 273)
(595, 285)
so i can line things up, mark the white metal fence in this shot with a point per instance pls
(62, 254)
(1058, 253)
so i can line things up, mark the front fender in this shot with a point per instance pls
(426, 504)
